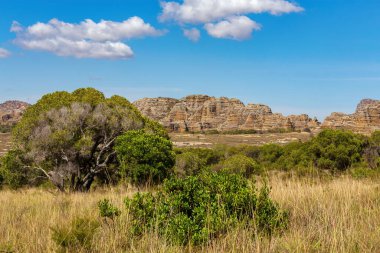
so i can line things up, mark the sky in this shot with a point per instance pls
(303, 56)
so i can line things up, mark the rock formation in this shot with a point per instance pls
(11, 112)
(365, 120)
(198, 113)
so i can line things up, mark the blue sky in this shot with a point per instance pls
(324, 57)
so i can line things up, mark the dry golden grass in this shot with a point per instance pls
(341, 215)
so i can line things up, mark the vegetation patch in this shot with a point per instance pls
(200, 208)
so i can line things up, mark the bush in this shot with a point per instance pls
(361, 173)
(145, 157)
(199, 208)
(13, 171)
(337, 150)
(76, 236)
(188, 164)
(107, 209)
(240, 164)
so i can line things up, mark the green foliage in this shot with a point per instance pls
(362, 173)
(145, 157)
(76, 236)
(240, 164)
(188, 164)
(199, 208)
(13, 172)
(107, 209)
(375, 138)
(5, 128)
(337, 150)
(71, 136)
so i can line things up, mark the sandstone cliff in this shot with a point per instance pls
(11, 112)
(202, 113)
(366, 118)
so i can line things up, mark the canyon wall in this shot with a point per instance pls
(198, 113)
(365, 120)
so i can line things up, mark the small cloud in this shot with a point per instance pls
(192, 34)
(4, 53)
(236, 28)
(221, 12)
(103, 40)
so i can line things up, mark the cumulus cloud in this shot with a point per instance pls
(192, 34)
(204, 11)
(4, 53)
(228, 14)
(87, 39)
(237, 28)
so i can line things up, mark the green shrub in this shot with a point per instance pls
(76, 236)
(145, 157)
(336, 149)
(13, 171)
(199, 208)
(240, 164)
(188, 164)
(361, 173)
(107, 209)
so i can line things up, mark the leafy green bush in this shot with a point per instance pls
(338, 150)
(240, 164)
(361, 173)
(78, 235)
(107, 209)
(199, 208)
(145, 157)
(188, 164)
(13, 171)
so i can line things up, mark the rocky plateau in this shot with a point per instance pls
(201, 113)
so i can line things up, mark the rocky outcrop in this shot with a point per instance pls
(365, 120)
(198, 113)
(11, 112)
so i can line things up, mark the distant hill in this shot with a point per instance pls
(10, 113)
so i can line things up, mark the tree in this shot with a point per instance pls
(188, 164)
(337, 149)
(70, 137)
(240, 164)
(145, 157)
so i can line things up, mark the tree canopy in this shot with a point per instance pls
(69, 137)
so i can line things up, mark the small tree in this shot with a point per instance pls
(336, 149)
(145, 157)
(188, 164)
(70, 136)
(240, 164)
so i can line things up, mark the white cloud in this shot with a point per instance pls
(4, 53)
(221, 17)
(237, 28)
(205, 11)
(192, 34)
(86, 39)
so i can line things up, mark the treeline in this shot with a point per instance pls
(331, 150)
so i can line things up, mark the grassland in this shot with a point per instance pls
(329, 215)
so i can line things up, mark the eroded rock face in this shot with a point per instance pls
(11, 112)
(365, 120)
(202, 113)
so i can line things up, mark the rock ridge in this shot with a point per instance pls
(365, 120)
(198, 113)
